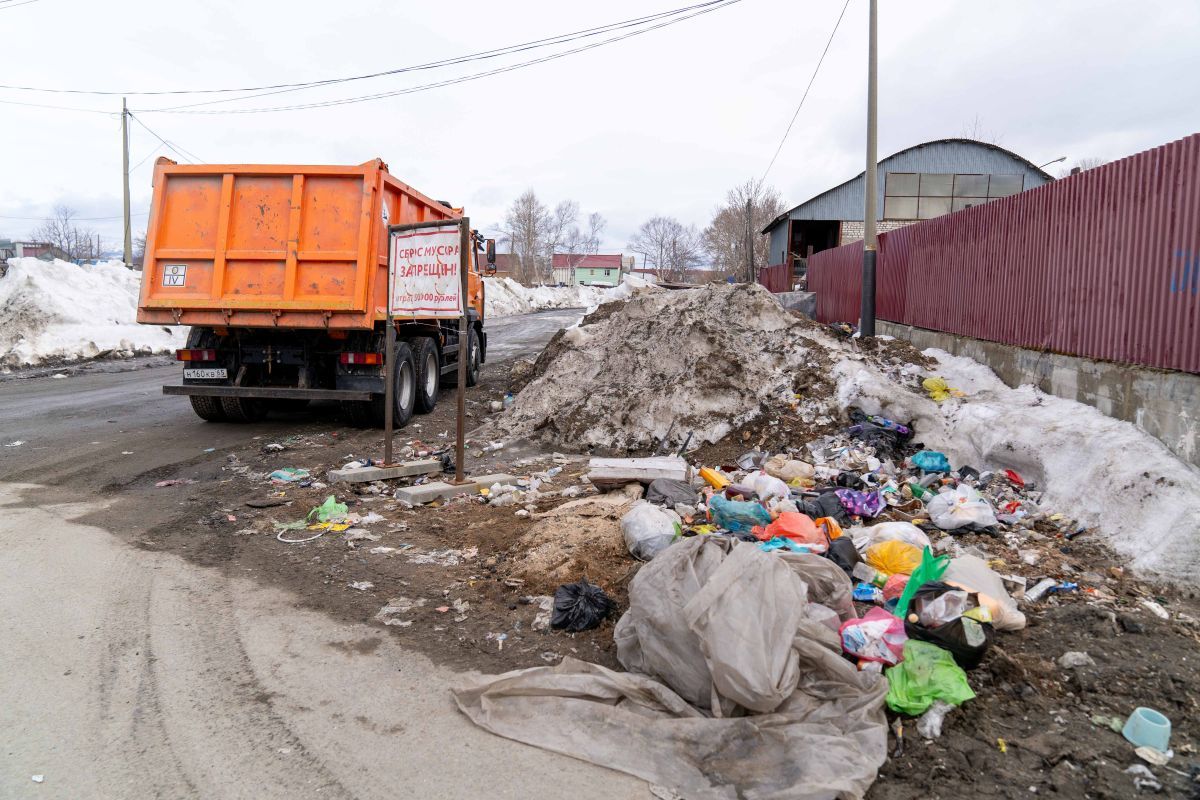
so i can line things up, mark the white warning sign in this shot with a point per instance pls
(426, 281)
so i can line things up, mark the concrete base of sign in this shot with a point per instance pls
(436, 490)
(424, 466)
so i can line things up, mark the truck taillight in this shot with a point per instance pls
(195, 355)
(361, 358)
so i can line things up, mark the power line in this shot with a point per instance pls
(190, 109)
(143, 161)
(485, 54)
(27, 2)
(177, 148)
(79, 219)
(804, 97)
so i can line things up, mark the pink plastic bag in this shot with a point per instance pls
(877, 636)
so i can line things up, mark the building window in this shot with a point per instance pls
(925, 195)
(607, 273)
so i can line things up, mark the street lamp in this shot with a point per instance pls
(1055, 161)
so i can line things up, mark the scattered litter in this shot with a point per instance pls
(362, 586)
(1156, 609)
(329, 511)
(397, 606)
(444, 558)
(289, 475)
(17, 443)
(40, 778)
(174, 482)
(1143, 778)
(580, 607)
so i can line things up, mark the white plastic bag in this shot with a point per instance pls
(889, 532)
(649, 529)
(959, 508)
(786, 469)
(974, 575)
(767, 487)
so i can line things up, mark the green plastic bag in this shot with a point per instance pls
(930, 569)
(330, 510)
(927, 673)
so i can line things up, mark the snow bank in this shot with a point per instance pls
(57, 311)
(504, 297)
(663, 364)
(1102, 471)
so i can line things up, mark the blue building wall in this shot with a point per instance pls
(963, 156)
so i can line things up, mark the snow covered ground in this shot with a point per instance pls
(58, 311)
(1104, 472)
(504, 297)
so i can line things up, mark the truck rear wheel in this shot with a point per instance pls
(371, 412)
(243, 409)
(208, 408)
(473, 357)
(429, 373)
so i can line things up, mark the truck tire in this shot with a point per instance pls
(370, 413)
(405, 395)
(243, 409)
(473, 357)
(208, 409)
(429, 373)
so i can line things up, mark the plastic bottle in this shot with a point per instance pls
(508, 400)
(868, 574)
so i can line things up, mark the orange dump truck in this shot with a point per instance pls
(281, 272)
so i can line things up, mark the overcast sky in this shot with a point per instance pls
(662, 123)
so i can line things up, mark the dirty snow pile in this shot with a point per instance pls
(504, 297)
(58, 311)
(664, 363)
(1104, 472)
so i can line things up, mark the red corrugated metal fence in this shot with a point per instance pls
(777, 278)
(1104, 264)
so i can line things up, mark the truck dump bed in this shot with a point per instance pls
(266, 246)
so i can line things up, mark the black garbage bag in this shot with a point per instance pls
(580, 606)
(966, 639)
(843, 553)
(668, 492)
(826, 505)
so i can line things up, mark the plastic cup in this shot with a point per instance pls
(1148, 728)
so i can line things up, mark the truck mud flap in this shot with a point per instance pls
(282, 393)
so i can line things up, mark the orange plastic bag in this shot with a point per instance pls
(797, 527)
(894, 557)
(832, 529)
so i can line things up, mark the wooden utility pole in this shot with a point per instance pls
(125, 171)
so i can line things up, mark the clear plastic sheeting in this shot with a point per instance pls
(736, 690)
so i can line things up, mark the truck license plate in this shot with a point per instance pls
(205, 374)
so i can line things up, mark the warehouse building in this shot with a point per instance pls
(921, 182)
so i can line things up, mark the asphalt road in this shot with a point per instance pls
(131, 673)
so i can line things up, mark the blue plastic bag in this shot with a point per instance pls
(931, 461)
(737, 516)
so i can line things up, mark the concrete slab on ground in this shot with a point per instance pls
(437, 490)
(424, 466)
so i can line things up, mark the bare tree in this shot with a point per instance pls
(975, 130)
(79, 244)
(524, 231)
(669, 246)
(559, 228)
(139, 249)
(1082, 165)
(735, 231)
(580, 243)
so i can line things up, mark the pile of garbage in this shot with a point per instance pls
(661, 366)
(791, 604)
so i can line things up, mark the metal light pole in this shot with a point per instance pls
(866, 323)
